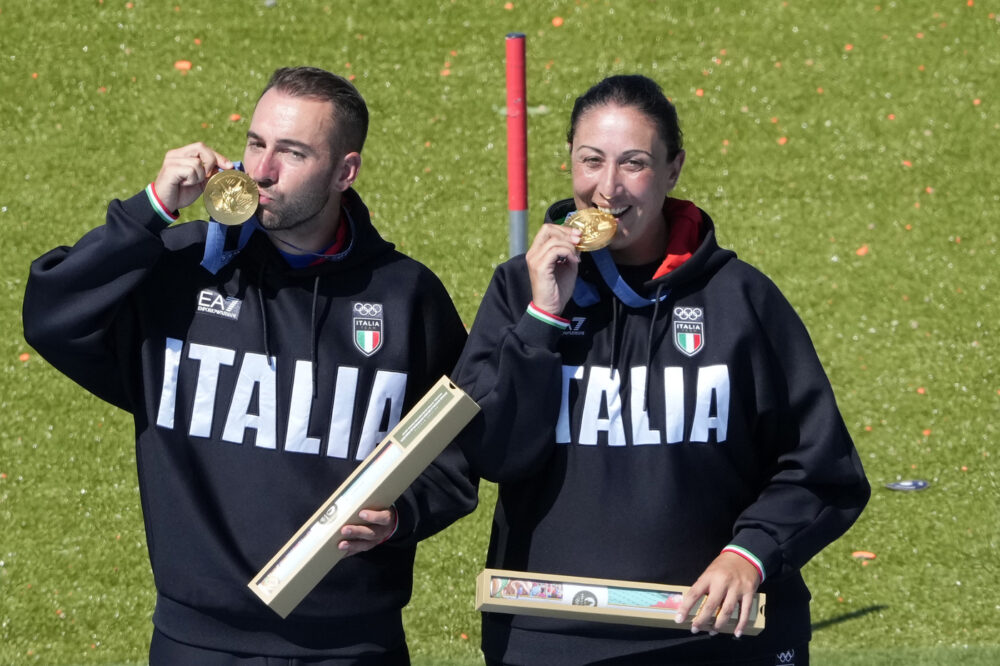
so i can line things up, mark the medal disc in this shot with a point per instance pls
(597, 229)
(231, 197)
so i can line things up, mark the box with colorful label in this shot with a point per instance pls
(594, 599)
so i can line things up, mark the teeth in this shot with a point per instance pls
(614, 211)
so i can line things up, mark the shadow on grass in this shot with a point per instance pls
(847, 617)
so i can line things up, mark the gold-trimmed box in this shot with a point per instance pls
(595, 599)
(421, 435)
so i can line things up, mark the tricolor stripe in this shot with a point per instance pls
(369, 340)
(748, 556)
(690, 342)
(548, 318)
(158, 206)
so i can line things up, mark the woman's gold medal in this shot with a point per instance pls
(597, 228)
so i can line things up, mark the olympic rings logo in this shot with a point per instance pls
(688, 314)
(368, 309)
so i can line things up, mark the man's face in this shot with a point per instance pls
(289, 153)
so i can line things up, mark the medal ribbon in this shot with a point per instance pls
(216, 256)
(585, 294)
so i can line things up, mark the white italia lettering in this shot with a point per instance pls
(386, 399)
(603, 390)
(254, 403)
(256, 375)
(602, 395)
(562, 425)
(203, 409)
(297, 436)
(673, 403)
(168, 392)
(641, 433)
(342, 415)
(713, 380)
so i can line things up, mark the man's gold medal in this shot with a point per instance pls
(597, 228)
(231, 197)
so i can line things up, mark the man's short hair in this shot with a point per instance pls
(350, 113)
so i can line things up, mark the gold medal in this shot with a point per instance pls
(231, 197)
(597, 228)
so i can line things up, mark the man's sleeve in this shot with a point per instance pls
(75, 302)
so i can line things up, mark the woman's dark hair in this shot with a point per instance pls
(640, 93)
(350, 113)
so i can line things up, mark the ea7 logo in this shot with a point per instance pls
(689, 330)
(576, 326)
(213, 303)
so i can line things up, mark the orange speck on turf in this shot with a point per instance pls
(819, 90)
(557, 21)
(921, 390)
(509, 6)
(861, 251)
(920, 35)
(782, 140)
(907, 163)
(848, 47)
(927, 433)
(183, 65)
(233, 117)
(24, 357)
(445, 72)
(699, 93)
(976, 102)
(197, 41)
(891, 116)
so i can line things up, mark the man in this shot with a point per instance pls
(261, 365)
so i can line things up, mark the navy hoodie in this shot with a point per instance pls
(255, 392)
(636, 442)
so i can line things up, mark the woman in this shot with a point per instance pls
(653, 411)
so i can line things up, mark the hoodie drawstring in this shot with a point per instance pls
(263, 315)
(614, 335)
(649, 345)
(313, 339)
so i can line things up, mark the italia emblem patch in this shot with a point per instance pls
(368, 330)
(689, 330)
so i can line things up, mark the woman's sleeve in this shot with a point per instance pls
(815, 485)
(510, 366)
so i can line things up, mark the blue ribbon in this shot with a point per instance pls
(216, 256)
(585, 294)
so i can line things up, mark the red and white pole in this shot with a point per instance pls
(517, 145)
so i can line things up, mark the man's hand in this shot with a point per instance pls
(377, 527)
(184, 173)
(727, 582)
(553, 261)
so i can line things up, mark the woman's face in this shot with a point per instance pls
(620, 166)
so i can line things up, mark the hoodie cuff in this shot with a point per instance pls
(547, 317)
(161, 210)
(749, 557)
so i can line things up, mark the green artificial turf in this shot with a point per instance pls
(846, 149)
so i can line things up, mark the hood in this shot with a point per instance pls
(692, 250)
(256, 249)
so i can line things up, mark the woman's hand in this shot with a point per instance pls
(553, 261)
